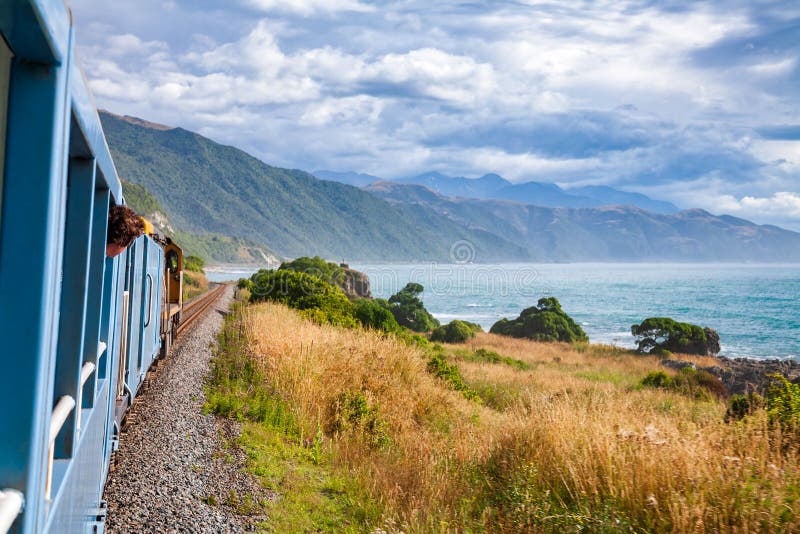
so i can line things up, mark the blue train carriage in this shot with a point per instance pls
(78, 330)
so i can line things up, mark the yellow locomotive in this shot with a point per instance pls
(172, 286)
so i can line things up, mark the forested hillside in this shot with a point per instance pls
(206, 187)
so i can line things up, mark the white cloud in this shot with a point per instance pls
(128, 44)
(310, 7)
(435, 73)
(774, 68)
(781, 205)
(359, 109)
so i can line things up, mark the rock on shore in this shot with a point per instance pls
(742, 375)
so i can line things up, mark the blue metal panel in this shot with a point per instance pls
(94, 297)
(150, 317)
(36, 29)
(81, 491)
(80, 205)
(30, 250)
(135, 277)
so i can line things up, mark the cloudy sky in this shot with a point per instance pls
(693, 102)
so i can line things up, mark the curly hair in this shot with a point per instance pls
(123, 226)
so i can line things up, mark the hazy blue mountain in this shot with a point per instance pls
(608, 233)
(610, 196)
(543, 194)
(493, 186)
(484, 187)
(356, 179)
(208, 188)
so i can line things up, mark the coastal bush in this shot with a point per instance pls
(375, 314)
(688, 381)
(194, 263)
(316, 299)
(316, 266)
(658, 334)
(783, 403)
(657, 379)
(455, 332)
(409, 311)
(740, 406)
(544, 322)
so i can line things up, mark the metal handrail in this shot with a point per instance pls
(63, 408)
(87, 370)
(11, 502)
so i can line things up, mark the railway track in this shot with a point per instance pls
(195, 308)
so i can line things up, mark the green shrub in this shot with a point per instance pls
(190, 280)
(454, 332)
(316, 266)
(413, 340)
(544, 322)
(194, 263)
(783, 403)
(740, 406)
(657, 335)
(375, 314)
(353, 413)
(657, 379)
(706, 381)
(243, 294)
(408, 310)
(438, 366)
(315, 298)
(689, 381)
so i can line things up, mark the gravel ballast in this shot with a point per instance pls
(176, 470)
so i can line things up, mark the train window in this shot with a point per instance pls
(5, 75)
(172, 261)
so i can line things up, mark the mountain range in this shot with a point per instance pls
(608, 233)
(211, 192)
(493, 186)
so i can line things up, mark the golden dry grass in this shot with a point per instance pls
(194, 284)
(574, 446)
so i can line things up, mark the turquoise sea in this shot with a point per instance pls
(755, 308)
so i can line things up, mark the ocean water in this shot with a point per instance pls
(755, 308)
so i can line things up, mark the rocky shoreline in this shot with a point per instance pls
(743, 375)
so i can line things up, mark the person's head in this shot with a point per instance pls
(123, 227)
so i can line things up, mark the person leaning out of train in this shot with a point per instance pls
(124, 226)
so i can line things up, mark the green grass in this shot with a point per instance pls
(499, 397)
(449, 373)
(490, 356)
(605, 375)
(312, 495)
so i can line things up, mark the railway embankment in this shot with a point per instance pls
(176, 470)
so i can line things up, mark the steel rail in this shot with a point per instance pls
(194, 309)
